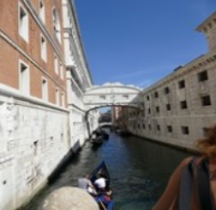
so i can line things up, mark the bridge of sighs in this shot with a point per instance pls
(111, 94)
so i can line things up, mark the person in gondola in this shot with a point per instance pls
(105, 199)
(86, 184)
(101, 183)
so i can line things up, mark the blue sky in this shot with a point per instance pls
(141, 41)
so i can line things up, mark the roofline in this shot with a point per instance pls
(206, 21)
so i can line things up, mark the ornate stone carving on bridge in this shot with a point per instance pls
(110, 94)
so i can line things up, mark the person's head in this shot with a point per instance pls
(86, 176)
(101, 175)
(207, 145)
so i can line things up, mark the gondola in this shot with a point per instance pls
(105, 135)
(102, 169)
(97, 141)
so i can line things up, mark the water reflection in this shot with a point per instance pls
(139, 170)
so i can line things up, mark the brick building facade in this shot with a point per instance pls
(43, 75)
(29, 46)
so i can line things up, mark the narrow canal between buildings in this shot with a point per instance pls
(139, 170)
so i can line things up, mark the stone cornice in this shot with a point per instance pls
(11, 92)
(113, 85)
(72, 70)
(71, 2)
(78, 88)
(76, 107)
(77, 60)
(207, 24)
(107, 94)
(197, 64)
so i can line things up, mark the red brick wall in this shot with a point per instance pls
(9, 56)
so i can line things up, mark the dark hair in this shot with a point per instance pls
(102, 175)
(207, 145)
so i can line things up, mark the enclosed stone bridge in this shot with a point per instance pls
(111, 94)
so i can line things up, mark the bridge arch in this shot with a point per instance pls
(110, 94)
(135, 106)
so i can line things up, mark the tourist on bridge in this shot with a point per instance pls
(192, 186)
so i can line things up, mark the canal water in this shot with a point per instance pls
(139, 170)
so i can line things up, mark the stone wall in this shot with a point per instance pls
(34, 138)
(180, 108)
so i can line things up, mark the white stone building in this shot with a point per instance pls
(78, 77)
(180, 108)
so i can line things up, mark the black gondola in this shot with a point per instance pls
(105, 135)
(102, 169)
(97, 141)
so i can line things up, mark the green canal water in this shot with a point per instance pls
(139, 170)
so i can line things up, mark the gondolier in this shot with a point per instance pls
(85, 184)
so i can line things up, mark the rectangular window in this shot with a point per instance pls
(166, 90)
(56, 24)
(157, 109)
(168, 107)
(42, 11)
(61, 71)
(156, 94)
(205, 131)
(202, 76)
(149, 127)
(57, 97)
(43, 48)
(206, 100)
(185, 130)
(169, 129)
(62, 99)
(44, 90)
(181, 84)
(149, 110)
(158, 127)
(23, 23)
(183, 104)
(147, 98)
(24, 78)
(143, 126)
(56, 66)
